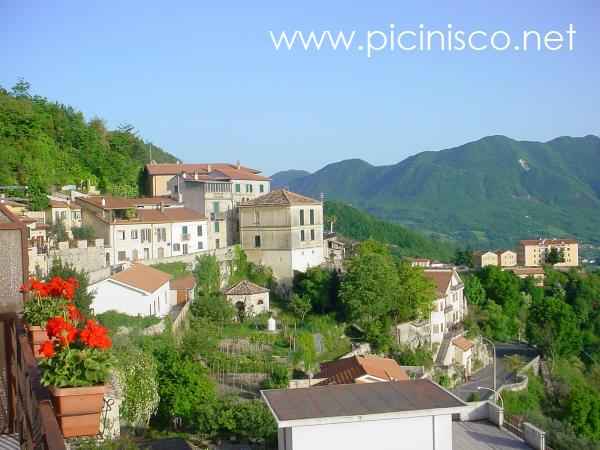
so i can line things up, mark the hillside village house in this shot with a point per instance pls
(183, 288)
(449, 309)
(537, 273)
(420, 262)
(67, 212)
(215, 190)
(144, 228)
(283, 230)
(248, 297)
(359, 369)
(533, 252)
(506, 258)
(334, 250)
(484, 259)
(139, 290)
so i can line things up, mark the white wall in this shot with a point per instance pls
(417, 433)
(114, 296)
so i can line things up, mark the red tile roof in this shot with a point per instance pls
(142, 277)
(281, 197)
(441, 278)
(463, 343)
(167, 215)
(347, 370)
(548, 241)
(245, 287)
(124, 202)
(229, 171)
(186, 282)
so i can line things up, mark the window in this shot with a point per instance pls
(248, 188)
(161, 234)
(238, 187)
(200, 245)
(216, 227)
(302, 235)
(261, 188)
(312, 216)
(312, 235)
(302, 217)
(217, 243)
(146, 235)
(216, 207)
(184, 229)
(76, 215)
(257, 241)
(199, 230)
(134, 234)
(146, 253)
(121, 235)
(122, 256)
(176, 247)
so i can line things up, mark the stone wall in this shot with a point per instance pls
(82, 256)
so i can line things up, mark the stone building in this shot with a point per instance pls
(283, 230)
(248, 297)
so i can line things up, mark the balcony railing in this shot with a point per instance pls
(26, 403)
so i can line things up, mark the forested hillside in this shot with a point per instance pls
(361, 226)
(491, 192)
(44, 143)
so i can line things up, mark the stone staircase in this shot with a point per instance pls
(439, 360)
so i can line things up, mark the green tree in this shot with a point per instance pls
(474, 290)
(553, 327)
(208, 275)
(305, 354)
(583, 411)
(215, 308)
(38, 198)
(83, 233)
(320, 286)
(554, 256)
(463, 257)
(300, 306)
(415, 295)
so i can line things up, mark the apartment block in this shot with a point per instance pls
(533, 252)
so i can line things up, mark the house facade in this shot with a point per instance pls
(449, 309)
(139, 290)
(283, 230)
(483, 259)
(67, 212)
(216, 191)
(532, 253)
(144, 228)
(506, 258)
(248, 297)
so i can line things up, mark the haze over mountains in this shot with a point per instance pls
(493, 191)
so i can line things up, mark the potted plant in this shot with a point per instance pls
(46, 300)
(75, 366)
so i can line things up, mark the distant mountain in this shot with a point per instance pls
(284, 178)
(358, 225)
(491, 192)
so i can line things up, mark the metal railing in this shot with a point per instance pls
(28, 404)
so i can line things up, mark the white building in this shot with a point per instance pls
(248, 297)
(283, 230)
(145, 228)
(407, 415)
(450, 306)
(140, 290)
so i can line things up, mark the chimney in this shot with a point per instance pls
(238, 165)
(209, 168)
(103, 201)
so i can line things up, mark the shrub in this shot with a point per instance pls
(83, 233)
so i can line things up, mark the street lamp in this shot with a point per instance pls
(496, 393)
(493, 367)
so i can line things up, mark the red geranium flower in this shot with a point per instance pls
(74, 313)
(95, 335)
(47, 349)
(59, 328)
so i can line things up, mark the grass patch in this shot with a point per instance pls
(113, 320)
(176, 269)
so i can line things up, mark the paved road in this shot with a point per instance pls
(484, 436)
(503, 376)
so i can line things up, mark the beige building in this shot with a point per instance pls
(483, 259)
(67, 212)
(506, 258)
(248, 297)
(283, 230)
(537, 273)
(136, 229)
(216, 192)
(533, 252)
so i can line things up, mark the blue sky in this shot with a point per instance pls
(202, 79)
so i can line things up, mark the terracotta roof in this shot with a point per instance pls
(548, 241)
(501, 252)
(245, 287)
(281, 197)
(186, 282)
(230, 171)
(347, 370)
(362, 399)
(142, 277)
(168, 215)
(7, 202)
(124, 202)
(463, 343)
(441, 279)
(63, 204)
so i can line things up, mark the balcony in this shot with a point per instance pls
(217, 216)
(27, 419)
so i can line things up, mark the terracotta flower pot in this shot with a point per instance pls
(78, 409)
(37, 335)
